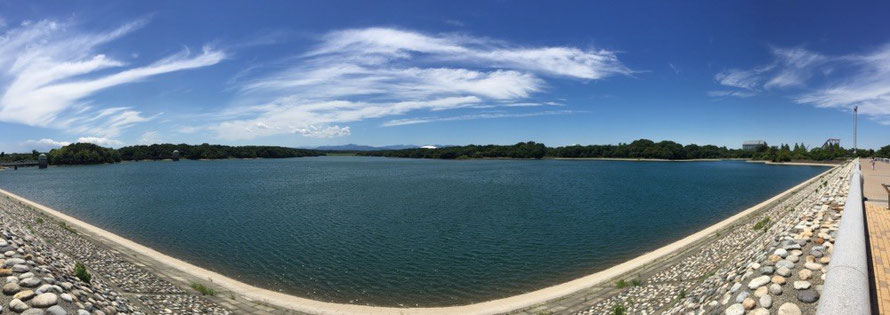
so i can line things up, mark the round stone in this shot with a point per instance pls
(781, 252)
(789, 309)
(11, 288)
(749, 303)
(21, 268)
(32, 282)
(766, 301)
(767, 270)
(775, 289)
(825, 260)
(742, 296)
(802, 285)
(804, 274)
(783, 271)
(808, 296)
(735, 309)
(18, 306)
(56, 310)
(45, 300)
(812, 266)
(778, 280)
(761, 291)
(793, 258)
(785, 264)
(24, 295)
(33, 311)
(735, 287)
(66, 297)
(759, 311)
(758, 282)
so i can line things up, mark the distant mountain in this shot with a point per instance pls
(358, 147)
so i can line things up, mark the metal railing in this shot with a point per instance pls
(846, 289)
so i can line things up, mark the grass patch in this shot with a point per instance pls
(80, 271)
(39, 220)
(619, 310)
(204, 290)
(67, 228)
(621, 284)
(636, 282)
(682, 294)
(762, 224)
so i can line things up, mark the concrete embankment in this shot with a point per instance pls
(691, 274)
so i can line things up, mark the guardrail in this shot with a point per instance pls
(846, 288)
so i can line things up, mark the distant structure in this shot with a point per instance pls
(176, 155)
(831, 142)
(41, 161)
(855, 126)
(428, 147)
(752, 145)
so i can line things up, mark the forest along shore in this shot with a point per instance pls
(38, 264)
(772, 261)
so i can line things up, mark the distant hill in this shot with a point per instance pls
(358, 147)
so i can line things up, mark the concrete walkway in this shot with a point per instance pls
(878, 218)
(872, 189)
(877, 215)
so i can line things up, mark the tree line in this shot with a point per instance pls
(638, 149)
(88, 153)
(210, 152)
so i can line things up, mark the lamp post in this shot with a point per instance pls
(855, 126)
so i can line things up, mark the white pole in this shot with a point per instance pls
(855, 126)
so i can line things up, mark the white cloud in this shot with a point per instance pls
(44, 144)
(725, 93)
(150, 137)
(359, 74)
(47, 68)
(413, 121)
(868, 86)
(105, 142)
(864, 81)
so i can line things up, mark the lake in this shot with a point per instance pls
(406, 232)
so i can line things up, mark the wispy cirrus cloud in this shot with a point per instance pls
(790, 67)
(49, 70)
(821, 80)
(359, 74)
(423, 120)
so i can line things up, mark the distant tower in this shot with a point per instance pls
(41, 161)
(176, 155)
(855, 126)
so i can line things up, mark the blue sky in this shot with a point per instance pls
(458, 72)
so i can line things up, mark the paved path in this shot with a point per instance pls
(872, 189)
(878, 217)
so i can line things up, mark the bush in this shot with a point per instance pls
(80, 271)
(621, 284)
(204, 290)
(636, 282)
(762, 224)
(619, 310)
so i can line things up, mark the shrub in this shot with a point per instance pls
(80, 271)
(621, 284)
(619, 310)
(762, 224)
(636, 282)
(204, 290)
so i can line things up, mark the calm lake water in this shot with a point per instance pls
(401, 231)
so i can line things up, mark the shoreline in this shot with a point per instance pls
(185, 273)
(642, 159)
